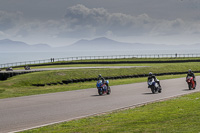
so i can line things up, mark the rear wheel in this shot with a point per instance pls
(195, 85)
(159, 91)
(109, 90)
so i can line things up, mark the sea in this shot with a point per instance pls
(11, 57)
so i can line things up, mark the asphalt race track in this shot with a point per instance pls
(32, 111)
(66, 68)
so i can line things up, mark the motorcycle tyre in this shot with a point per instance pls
(100, 91)
(189, 86)
(159, 91)
(109, 90)
(153, 90)
(195, 86)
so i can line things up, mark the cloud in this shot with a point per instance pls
(80, 21)
(9, 20)
(3, 35)
(99, 22)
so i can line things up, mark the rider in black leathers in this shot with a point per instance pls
(191, 74)
(154, 77)
(102, 78)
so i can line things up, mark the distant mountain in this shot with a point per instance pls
(6, 43)
(97, 42)
(103, 42)
(109, 44)
(16, 46)
(41, 46)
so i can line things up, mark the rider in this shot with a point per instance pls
(154, 77)
(191, 74)
(102, 78)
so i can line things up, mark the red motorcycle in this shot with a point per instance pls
(191, 83)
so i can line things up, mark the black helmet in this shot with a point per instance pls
(189, 71)
(150, 73)
(99, 75)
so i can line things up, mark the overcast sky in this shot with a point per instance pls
(62, 22)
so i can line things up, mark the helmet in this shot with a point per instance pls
(150, 73)
(189, 71)
(99, 75)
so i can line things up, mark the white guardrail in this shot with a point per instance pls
(24, 63)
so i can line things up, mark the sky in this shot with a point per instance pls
(63, 22)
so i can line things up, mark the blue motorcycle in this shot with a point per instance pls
(103, 88)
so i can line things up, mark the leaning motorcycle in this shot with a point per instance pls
(191, 83)
(154, 86)
(103, 88)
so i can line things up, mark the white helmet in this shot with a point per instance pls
(150, 73)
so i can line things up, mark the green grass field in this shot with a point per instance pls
(21, 85)
(177, 115)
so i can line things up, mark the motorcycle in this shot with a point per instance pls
(27, 68)
(9, 69)
(103, 88)
(154, 86)
(191, 83)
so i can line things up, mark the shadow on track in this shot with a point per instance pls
(98, 95)
(149, 93)
(94, 95)
(187, 90)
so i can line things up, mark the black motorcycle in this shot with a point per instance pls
(9, 69)
(27, 68)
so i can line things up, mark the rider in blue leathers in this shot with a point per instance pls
(103, 80)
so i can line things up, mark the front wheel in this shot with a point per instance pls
(100, 91)
(153, 89)
(190, 86)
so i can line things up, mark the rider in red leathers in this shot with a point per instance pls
(191, 74)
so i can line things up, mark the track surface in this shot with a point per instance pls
(31, 111)
(65, 68)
